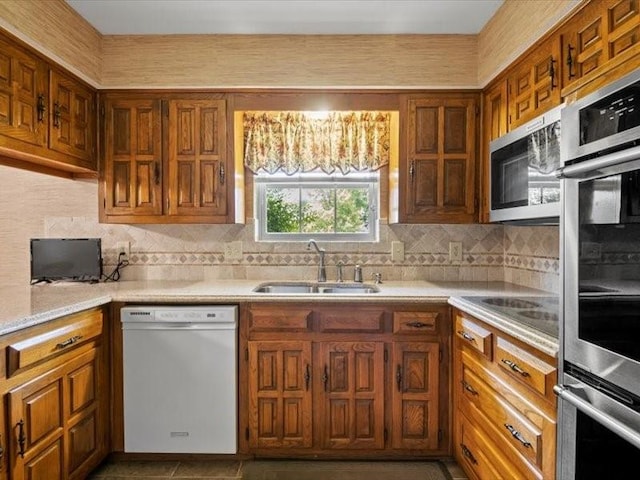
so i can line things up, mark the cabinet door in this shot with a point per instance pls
(23, 95)
(280, 394)
(85, 441)
(352, 397)
(36, 419)
(133, 157)
(600, 32)
(534, 84)
(415, 395)
(73, 123)
(494, 124)
(197, 158)
(439, 173)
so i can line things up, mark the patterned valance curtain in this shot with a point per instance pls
(295, 142)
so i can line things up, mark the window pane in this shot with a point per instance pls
(283, 209)
(318, 207)
(352, 210)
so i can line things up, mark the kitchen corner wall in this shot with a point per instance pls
(34, 205)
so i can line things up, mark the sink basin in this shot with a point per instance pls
(313, 288)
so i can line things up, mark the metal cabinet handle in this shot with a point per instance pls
(417, 324)
(222, 174)
(156, 173)
(570, 60)
(469, 388)
(412, 169)
(325, 377)
(466, 336)
(399, 378)
(69, 341)
(517, 435)
(307, 377)
(22, 439)
(467, 453)
(515, 367)
(56, 115)
(41, 108)
(552, 72)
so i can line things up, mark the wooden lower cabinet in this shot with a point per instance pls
(504, 406)
(344, 381)
(56, 405)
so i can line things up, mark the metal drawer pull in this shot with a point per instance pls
(69, 341)
(467, 453)
(469, 388)
(466, 336)
(517, 435)
(307, 377)
(22, 439)
(399, 378)
(514, 366)
(325, 377)
(417, 324)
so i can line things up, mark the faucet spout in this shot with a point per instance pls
(322, 271)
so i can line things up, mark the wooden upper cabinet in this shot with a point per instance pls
(353, 395)
(73, 118)
(197, 158)
(495, 123)
(133, 157)
(23, 95)
(438, 171)
(601, 34)
(534, 83)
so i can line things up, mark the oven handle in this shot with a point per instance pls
(563, 391)
(584, 168)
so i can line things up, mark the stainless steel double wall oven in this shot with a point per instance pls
(599, 404)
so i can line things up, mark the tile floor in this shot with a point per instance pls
(274, 470)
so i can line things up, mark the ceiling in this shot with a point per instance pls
(146, 17)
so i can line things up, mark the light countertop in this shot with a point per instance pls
(22, 307)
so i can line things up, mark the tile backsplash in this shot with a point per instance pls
(62, 208)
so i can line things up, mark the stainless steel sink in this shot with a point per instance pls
(313, 288)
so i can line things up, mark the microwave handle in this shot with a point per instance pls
(583, 169)
(565, 393)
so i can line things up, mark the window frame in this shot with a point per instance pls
(262, 181)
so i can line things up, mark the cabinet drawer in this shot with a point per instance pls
(474, 336)
(80, 328)
(270, 319)
(346, 320)
(415, 322)
(479, 456)
(525, 367)
(515, 427)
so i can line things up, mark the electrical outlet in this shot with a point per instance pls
(397, 251)
(124, 247)
(455, 252)
(591, 250)
(233, 250)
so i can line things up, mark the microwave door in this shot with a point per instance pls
(514, 181)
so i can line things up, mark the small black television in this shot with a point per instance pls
(77, 259)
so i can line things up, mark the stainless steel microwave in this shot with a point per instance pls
(523, 187)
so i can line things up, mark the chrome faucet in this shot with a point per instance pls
(322, 272)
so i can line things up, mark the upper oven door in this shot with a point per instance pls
(601, 270)
(603, 120)
(522, 163)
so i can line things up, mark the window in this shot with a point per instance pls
(323, 206)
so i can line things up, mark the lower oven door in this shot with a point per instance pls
(598, 437)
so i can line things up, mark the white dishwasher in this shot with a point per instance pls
(180, 379)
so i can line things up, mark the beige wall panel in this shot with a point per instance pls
(56, 30)
(515, 27)
(29, 198)
(290, 61)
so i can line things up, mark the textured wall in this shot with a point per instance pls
(290, 61)
(515, 27)
(58, 31)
